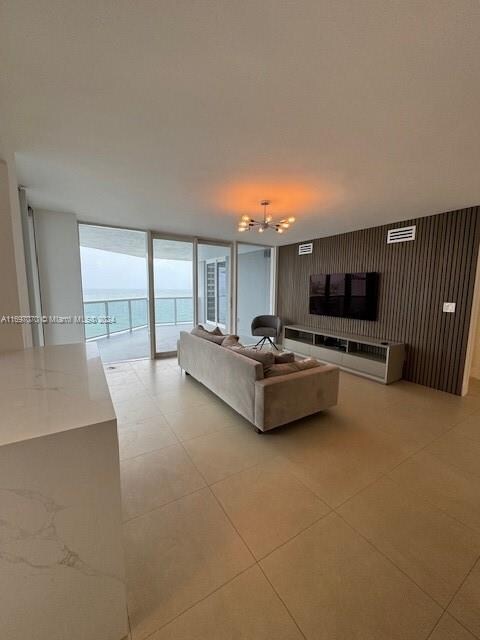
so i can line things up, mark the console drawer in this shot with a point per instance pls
(297, 346)
(327, 355)
(365, 365)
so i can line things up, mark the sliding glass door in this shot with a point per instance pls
(213, 276)
(173, 308)
(115, 291)
(138, 311)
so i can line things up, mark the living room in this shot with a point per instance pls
(240, 336)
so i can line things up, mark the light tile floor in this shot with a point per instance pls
(360, 523)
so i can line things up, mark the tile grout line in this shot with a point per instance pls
(166, 504)
(448, 613)
(461, 624)
(444, 609)
(464, 525)
(448, 464)
(161, 506)
(146, 453)
(389, 560)
(282, 601)
(384, 474)
(128, 622)
(208, 486)
(259, 560)
(457, 591)
(256, 562)
(201, 435)
(435, 626)
(194, 604)
(209, 433)
(223, 584)
(181, 443)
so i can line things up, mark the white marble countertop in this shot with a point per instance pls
(48, 390)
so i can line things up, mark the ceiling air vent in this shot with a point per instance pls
(402, 234)
(303, 249)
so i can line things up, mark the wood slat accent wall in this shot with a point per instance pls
(415, 279)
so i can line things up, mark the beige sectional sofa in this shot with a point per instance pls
(239, 381)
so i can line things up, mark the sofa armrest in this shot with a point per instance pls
(282, 399)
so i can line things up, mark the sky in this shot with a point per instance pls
(118, 271)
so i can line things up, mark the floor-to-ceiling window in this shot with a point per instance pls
(173, 291)
(213, 274)
(115, 291)
(254, 286)
(191, 283)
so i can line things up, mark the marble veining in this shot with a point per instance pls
(40, 546)
(51, 389)
(62, 570)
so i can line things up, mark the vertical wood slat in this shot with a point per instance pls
(415, 279)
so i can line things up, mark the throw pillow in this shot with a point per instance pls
(200, 332)
(215, 332)
(230, 341)
(265, 357)
(285, 356)
(291, 367)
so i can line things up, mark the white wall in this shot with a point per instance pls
(475, 369)
(11, 335)
(59, 270)
(253, 289)
(472, 359)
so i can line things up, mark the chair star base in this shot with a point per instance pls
(262, 341)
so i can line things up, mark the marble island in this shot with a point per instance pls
(61, 556)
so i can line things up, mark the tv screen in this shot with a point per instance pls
(344, 295)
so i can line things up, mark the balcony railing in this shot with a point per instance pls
(132, 313)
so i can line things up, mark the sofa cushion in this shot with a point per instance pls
(201, 332)
(290, 367)
(285, 356)
(230, 341)
(265, 357)
(216, 332)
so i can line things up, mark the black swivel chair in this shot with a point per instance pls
(268, 327)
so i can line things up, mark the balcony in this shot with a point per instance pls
(128, 337)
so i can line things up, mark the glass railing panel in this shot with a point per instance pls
(133, 314)
(164, 310)
(139, 312)
(184, 310)
(118, 309)
(95, 311)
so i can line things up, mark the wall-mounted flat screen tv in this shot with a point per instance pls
(344, 295)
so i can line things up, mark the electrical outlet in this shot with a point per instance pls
(449, 307)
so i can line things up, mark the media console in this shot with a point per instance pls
(380, 360)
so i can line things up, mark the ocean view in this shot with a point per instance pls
(90, 295)
(172, 306)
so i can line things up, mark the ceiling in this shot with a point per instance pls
(179, 116)
(134, 243)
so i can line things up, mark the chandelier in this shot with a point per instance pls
(249, 224)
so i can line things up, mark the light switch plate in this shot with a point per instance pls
(449, 307)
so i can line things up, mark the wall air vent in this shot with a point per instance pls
(401, 234)
(303, 249)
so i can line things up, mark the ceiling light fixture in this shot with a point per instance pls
(249, 224)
